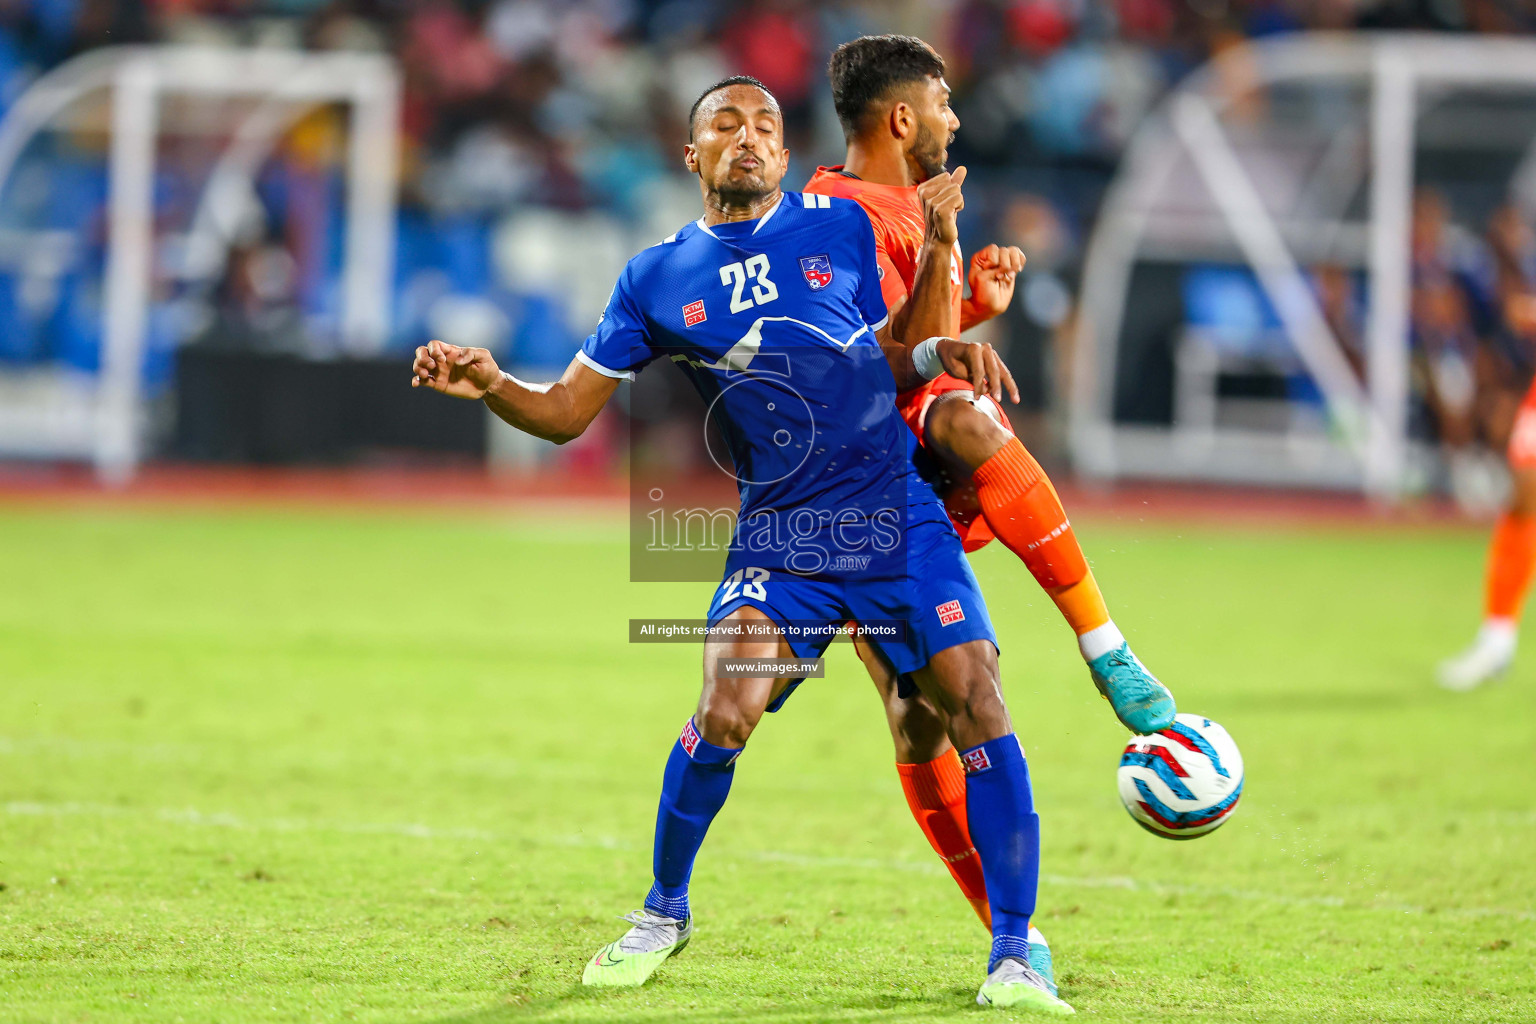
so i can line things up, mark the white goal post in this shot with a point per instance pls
(1197, 185)
(102, 421)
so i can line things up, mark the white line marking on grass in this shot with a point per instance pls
(192, 817)
(488, 765)
(1129, 884)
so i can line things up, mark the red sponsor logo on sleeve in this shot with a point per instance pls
(950, 612)
(975, 760)
(693, 313)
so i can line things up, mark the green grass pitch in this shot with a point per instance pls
(317, 766)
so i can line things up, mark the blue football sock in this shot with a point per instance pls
(1000, 808)
(693, 789)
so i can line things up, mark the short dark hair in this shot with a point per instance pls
(866, 70)
(725, 83)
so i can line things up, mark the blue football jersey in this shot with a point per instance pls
(774, 321)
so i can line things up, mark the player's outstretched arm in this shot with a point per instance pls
(558, 411)
(978, 364)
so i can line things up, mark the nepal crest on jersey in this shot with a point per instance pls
(817, 271)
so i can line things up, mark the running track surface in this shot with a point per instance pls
(461, 486)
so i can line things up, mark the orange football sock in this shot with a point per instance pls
(1511, 559)
(936, 793)
(1025, 513)
(1081, 604)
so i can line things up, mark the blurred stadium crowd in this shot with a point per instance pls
(541, 148)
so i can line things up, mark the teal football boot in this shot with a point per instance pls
(1142, 704)
(1040, 959)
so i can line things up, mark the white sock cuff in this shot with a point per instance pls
(1100, 640)
(1499, 627)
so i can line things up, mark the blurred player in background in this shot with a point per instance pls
(1512, 554)
(893, 102)
(771, 304)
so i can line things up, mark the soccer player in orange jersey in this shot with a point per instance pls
(1511, 559)
(893, 103)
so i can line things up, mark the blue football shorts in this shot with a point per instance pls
(937, 597)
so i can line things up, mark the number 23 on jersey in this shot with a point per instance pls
(736, 276)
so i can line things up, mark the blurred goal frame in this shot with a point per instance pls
(1373, 453)
(105, 424)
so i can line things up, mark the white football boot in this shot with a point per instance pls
(1488, 657)
(1015, 983)
(632, 959)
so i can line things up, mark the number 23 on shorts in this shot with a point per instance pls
(749, 581)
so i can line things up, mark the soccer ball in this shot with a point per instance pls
(1182, 782)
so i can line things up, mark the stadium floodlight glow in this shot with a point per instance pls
(105, 423)
(1185, 191)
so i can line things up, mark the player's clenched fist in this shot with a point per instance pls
(993, 271)
(461, 372)
(942, 203)
(978, 364)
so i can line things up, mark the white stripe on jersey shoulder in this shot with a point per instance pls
(593, 364)
(816, 201)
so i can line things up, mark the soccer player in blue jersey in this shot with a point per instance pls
(771, 304)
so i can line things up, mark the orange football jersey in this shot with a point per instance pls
(897, 216)
(1522, 439)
